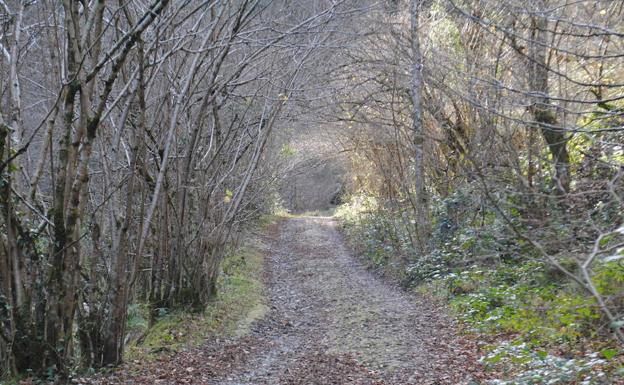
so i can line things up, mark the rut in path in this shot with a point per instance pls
(332, 321)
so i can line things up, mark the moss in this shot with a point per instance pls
(240, 302)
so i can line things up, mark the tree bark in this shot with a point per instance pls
(544, 113)
(422, 197)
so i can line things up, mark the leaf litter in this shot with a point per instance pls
(330, 321)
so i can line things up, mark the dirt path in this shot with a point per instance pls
(330, 321)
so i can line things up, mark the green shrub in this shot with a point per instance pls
(530, 366)
(519, 300)
(609, 278)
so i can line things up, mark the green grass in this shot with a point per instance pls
(319, 213)
(239, 302)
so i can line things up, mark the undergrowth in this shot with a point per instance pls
(540, 328)
(240, 301)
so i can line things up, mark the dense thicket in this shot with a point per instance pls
(139, 138)
(133, 151)
(487, 133)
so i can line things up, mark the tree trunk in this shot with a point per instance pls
(543, 112)
(422, 197)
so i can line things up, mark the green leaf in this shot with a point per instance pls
(542, 354)
(605, 240)
(228, 195)
(609, 353)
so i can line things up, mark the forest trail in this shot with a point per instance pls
(333, 322)
(328, 321)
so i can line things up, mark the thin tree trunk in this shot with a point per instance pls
(422, 196)
(543, 112)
